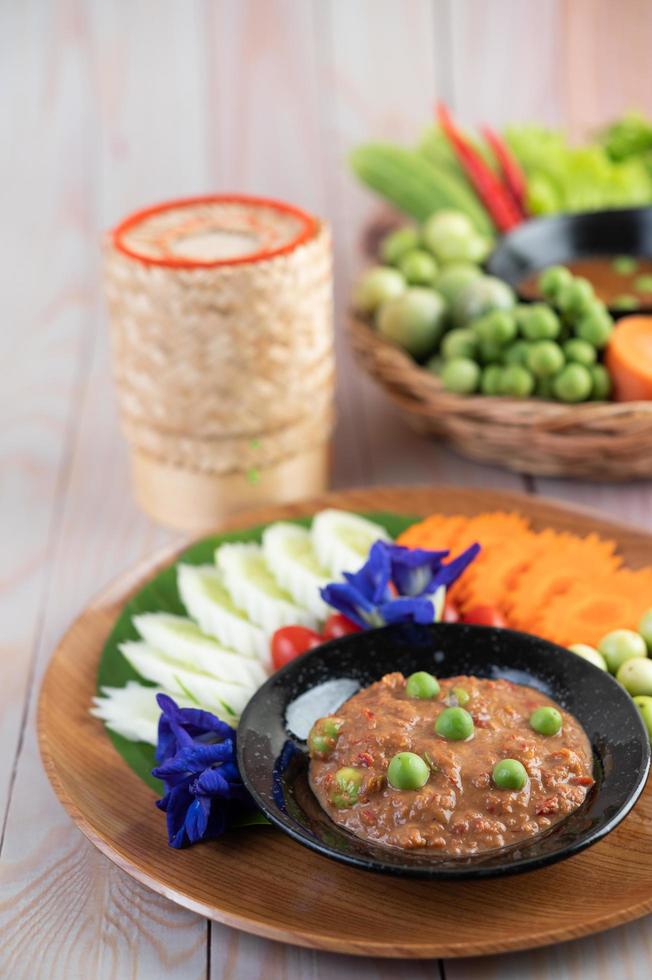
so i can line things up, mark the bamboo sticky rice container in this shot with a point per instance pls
(221, 323)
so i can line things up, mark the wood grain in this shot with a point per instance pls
(233, 879)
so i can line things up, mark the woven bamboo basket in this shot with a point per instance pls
(605, 441)
(221, 326)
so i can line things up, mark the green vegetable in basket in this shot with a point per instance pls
(460, 375)
(545, 358)
(375, 287)
(516, 382)
(553, 280)
(490, 352)
(451, 237)
(580, 352)
(538, 322)
(418, 267)
(491, 380)
(595, 326)
(600, 383)
(454, 277)
(413, 321)
(576, 297)
(630, 136)
(395, 245)
(564, 177)
(480, 296)
(573, 384)
(459, 343)
(410, 182)
(496, 327)
(517, 352)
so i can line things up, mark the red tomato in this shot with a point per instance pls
(484, 616)
(338, 625)
(451, 613)
(291, 641)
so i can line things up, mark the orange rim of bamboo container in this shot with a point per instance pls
(309, 224)
(605, 441)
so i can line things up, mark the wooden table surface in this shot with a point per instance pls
(108, 105)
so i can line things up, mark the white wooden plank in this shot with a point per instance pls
(604, 65)
(504, 59)
(237, 956)
(44, 178)
(65, 911)
(619, 954)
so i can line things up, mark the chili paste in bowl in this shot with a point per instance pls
(458, 766)
(443, 751)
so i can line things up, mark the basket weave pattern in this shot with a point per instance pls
(224, 368)
(594, 440)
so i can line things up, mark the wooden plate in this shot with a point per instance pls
(261, 881)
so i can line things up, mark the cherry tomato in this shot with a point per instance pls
(451, 613)
(338, 625)
(291, 641)
(484, 616)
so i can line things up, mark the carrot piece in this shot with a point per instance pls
(594, 606)
(437, 531)
(564, 587)
(629, 359)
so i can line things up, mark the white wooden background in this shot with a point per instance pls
(106, 105)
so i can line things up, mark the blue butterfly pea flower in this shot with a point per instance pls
(204, 793)
(395, 585)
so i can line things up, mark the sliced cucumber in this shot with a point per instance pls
(253, 588)
(225, 700)
(207, 600)
(342, 540)
(183, 641)
(132, 711)
(290, 556)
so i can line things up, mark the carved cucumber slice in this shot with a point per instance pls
(207, 600)
(254, 589)
(291, 558)
(183, 641)
(223, 699)
(132, 711)
(342, 540)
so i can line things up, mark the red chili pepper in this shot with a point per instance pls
(581, 781)
(488, 187)
(513, 176)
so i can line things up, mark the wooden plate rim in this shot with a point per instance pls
(125, 585)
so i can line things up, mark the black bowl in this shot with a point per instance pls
(274, 762)
(536, 244)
